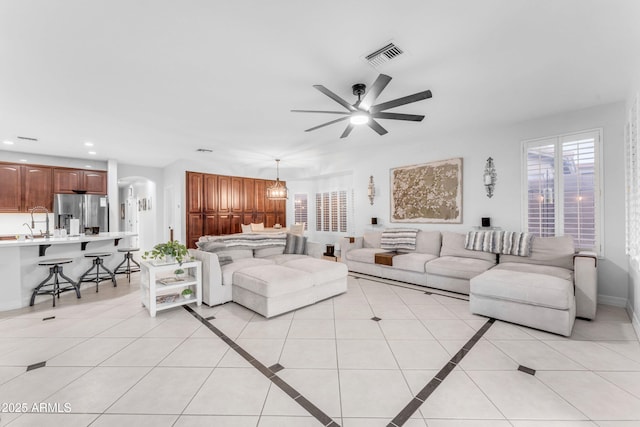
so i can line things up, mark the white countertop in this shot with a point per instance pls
(65, 240)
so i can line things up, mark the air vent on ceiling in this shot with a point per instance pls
(26, 138)
(383, 55)
(204, 150)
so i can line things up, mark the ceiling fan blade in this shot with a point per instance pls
(320, 111)
(327, 124)
(398, 116)
(376, 126)
(401, 101)
(335, 97)
(347, 131)
(372, 94)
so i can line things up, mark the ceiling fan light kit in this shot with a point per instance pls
(363, 111)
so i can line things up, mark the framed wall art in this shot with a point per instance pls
(427, 193)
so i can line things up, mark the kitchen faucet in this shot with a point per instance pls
(30, 229)
(33, 223)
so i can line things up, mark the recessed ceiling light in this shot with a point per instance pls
(8, 142)
(88, 144)
(88, 166)
(93, 153)
(23, 160)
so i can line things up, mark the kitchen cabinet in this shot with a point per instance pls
(70, 181)
(11, 188)
(25, 187)
(38, 187)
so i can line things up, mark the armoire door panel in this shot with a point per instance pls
(270, 219)
(210, 193)
(224, 193)
(224, 224)
(210, 225)
(260, 191)
(236, 194)
(248, 195)
(194, 192)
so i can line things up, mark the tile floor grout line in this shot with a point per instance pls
(313, 410)
(415, 403)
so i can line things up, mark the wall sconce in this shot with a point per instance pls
(490, 177)
(371, 190)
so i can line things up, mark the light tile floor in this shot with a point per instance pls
(109, 364)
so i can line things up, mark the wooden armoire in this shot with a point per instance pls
(219, 204)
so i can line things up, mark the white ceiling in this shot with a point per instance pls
(150, 81)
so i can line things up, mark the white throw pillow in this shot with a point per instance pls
(257, 227)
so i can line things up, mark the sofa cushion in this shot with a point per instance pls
(371, 239)
(257, 227)
(272, 280)
(229, 269)
(429, 242)
(525, 288)
(412, 261)
(458, 267)
(364, 254)
(282, 258)
(453, 245)
(322, 271)
(265, 252)
(554, 251)
(549, 270)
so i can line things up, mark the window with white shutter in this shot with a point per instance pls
(300, 213)
(331, 211)
(562, 180)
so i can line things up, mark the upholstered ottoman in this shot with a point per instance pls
(540, 301)
(329, 277)
(272, 289)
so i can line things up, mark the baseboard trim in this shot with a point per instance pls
(635, 321)
(614, 301)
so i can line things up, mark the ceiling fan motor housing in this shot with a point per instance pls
(358, 89)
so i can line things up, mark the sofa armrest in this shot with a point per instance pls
(211, 275)
(314, 249)
(349, 243)
(585, 278)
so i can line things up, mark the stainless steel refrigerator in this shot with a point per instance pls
(92, 211)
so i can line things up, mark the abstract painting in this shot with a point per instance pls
(427, 193)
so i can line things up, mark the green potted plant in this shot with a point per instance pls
(187, 293)
(170, 252)
(179, 273)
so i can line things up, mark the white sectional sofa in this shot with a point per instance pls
(269, 280)
(439, 260)
(546, 289)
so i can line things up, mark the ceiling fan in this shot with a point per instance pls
(363, 111)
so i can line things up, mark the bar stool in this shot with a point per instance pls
(125, 266)
(98, 264)
(55, 271)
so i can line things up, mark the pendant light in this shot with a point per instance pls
(277, 191)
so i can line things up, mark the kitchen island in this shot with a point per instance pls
(21, 273)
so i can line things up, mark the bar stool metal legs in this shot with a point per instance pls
(125, 266)
(55, 272)
(101, 272)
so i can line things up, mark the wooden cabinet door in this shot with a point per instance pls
(194, 192)
(94, 182)
(248, 195)
(260, 189)
(224, 194)
(269, 205)
(210, 184)
(281, 212)
(38, 187)
(235, 221)
(210, 225)
(224, 224)
(11, 188)
(194, 229)
(236, 194)
(247, 218)
(258, 217)
(67, 180)
(270, 219)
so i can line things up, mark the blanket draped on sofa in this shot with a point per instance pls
(393, 239)
(499, 242)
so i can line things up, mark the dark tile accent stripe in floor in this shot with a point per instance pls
(267, 372)
(36, 366)
(432, 385)
(48, 318)
(400, 284)
(526, 370)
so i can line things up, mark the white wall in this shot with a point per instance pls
(633, 305)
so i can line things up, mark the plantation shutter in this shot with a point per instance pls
(541, 189)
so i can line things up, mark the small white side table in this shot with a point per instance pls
(161, 290)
